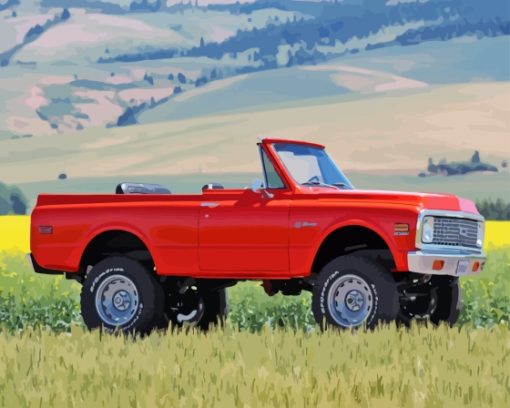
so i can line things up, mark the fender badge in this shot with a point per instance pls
(304, 224)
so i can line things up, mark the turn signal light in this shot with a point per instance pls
(401, 229)
(476, 266)
(437, 265)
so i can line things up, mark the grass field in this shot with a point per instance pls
(387, 368)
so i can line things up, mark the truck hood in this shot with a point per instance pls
(422, 200)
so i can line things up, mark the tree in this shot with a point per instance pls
(65, 14)
(181, 78)
(148, 78)
(476, 157)
(12, 200)
(201, 81)
(432, 168)
(33, 33)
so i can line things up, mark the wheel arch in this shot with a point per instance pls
(115, 241)
(348, 238)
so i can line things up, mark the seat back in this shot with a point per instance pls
(212, 186)
(140, 188)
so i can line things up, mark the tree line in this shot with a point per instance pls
(12, 200)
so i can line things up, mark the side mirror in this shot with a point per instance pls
(258, 186)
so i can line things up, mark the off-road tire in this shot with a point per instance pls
(449, 301)
(445, 295)
(150, 296)
(381, 286)
(215, 311)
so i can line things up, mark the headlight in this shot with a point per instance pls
(427, 230)
(480, 234)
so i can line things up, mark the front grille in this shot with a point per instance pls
(455, 232)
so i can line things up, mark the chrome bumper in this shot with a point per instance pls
(456, 262)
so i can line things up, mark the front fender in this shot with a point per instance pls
(398, 251)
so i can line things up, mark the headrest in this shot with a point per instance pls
(140, 188)
(212, 186)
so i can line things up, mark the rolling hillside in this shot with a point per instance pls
(363, 74)
(99, 89)
(386, 132)
(70, 65)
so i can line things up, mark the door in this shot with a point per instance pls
(244, 233)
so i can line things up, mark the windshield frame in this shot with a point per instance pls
(264, 152)
(347, 185)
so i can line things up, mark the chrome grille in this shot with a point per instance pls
(455, 231)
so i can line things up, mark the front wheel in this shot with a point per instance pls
(354, 292)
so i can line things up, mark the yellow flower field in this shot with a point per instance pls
(15, 233)
(497, 233)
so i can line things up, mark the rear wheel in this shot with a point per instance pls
(354, 292)
(194, 308)
(119, 294)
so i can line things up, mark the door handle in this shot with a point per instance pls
(208, 204)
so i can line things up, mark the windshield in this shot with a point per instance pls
(311, 166)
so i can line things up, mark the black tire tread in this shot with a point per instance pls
(374, 273)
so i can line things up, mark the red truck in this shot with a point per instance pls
(147, 258)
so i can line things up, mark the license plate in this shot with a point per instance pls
(462, 268)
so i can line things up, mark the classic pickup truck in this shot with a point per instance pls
(147, 258)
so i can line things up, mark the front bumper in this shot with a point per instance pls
(454, 262)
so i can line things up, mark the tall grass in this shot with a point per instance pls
(31, 300)
(269, 353)
(421, 367)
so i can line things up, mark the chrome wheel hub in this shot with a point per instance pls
(350, 301)
(117, 300)
(121, 300)
(354, 300)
